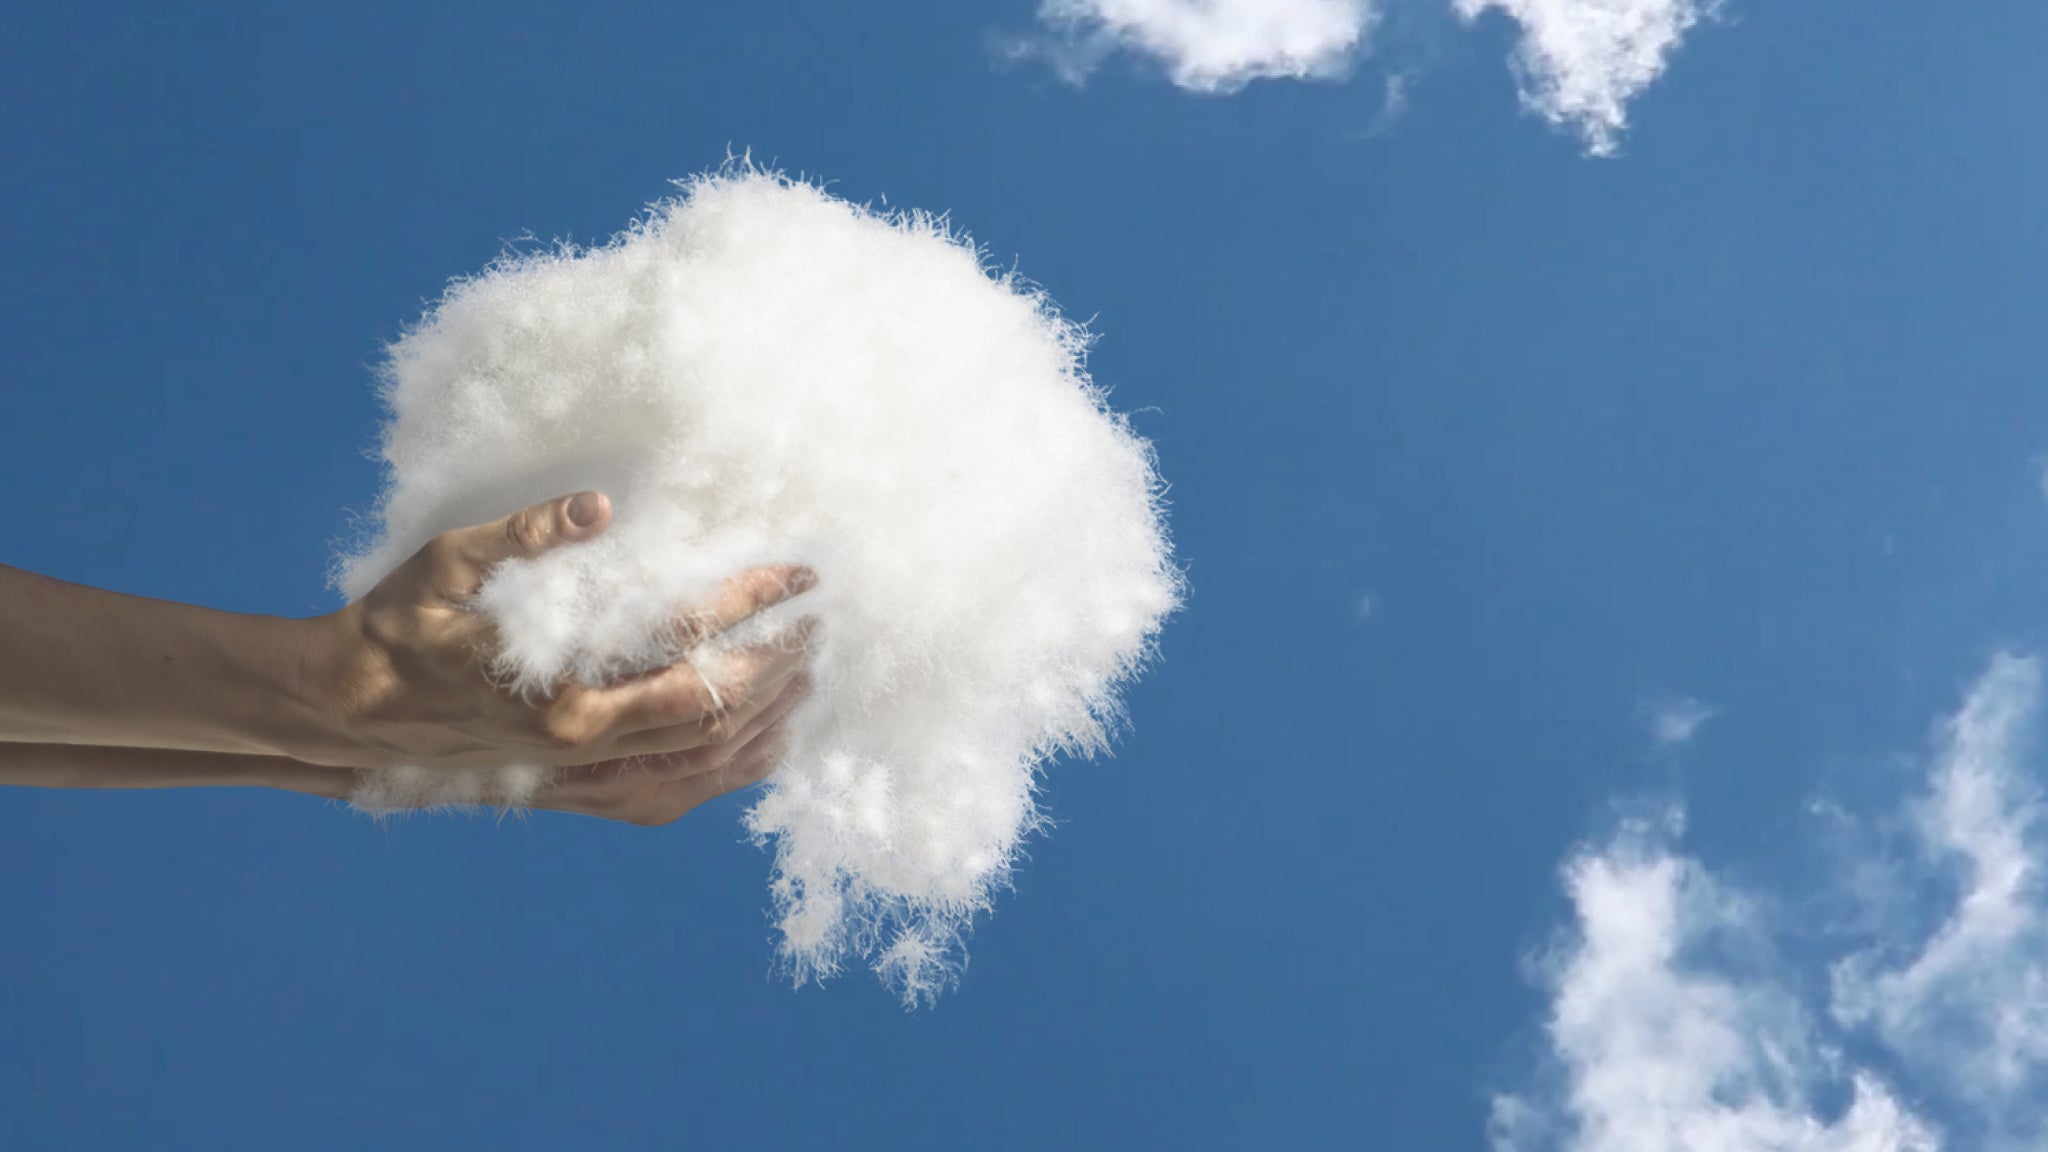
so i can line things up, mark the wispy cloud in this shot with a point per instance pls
(1213, 45)
(1581, 62)
(1967, 1005)
(1675, 720)
(1394, 98)
(1675, 1027)
(1667, 1032)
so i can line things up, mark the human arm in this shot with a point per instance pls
(396, 678)
(83, 665)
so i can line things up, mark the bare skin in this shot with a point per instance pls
(643, 790)
(101, 690)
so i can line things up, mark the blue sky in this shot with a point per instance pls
(1748, 414)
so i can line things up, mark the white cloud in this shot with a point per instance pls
(1968, 1005)
(1214, 45)
(1676, 720)
(1580, 62)
(1672, 1027)
(1667, 1032)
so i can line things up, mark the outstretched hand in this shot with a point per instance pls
(405, 669)
(104, 690)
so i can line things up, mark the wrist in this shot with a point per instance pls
(324, 689)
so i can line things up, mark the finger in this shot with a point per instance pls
(775, 704)
(635, 769)
(746, 594)
(534, 531)
(680, 696)
(748, 768)
(594, 790)
(754, 765)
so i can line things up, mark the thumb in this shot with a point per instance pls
(544, 527)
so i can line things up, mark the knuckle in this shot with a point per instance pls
(528, 532)
(690, 697)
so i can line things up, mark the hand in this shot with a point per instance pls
(403, 670)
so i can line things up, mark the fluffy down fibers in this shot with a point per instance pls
(756, 373)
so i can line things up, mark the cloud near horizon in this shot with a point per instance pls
(1674, 1024)
(1668, 1032)
(1967, 1005)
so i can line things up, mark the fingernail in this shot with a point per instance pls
(585, 509)
(802, 580)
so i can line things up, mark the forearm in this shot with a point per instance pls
(80, 665)
(89, 766)
(589, 791)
